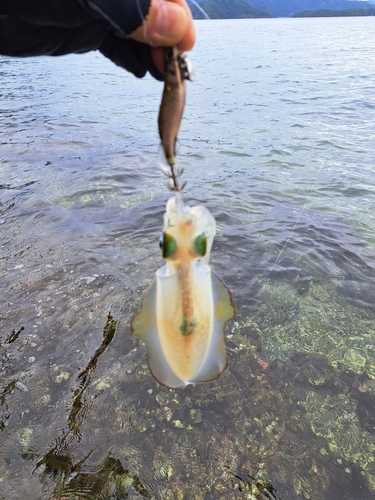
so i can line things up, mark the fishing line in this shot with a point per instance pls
(294, 227)
(201, 9)
(165, 12)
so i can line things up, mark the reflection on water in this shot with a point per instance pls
(109, 478)
(81, 211)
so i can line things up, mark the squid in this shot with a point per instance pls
(182, 315)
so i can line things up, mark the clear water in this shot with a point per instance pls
(279, 119)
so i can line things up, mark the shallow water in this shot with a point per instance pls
(279, 119)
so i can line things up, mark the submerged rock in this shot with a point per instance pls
(312, 369)
(355, 361)
(366, 411)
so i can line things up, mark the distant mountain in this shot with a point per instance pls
(227, 9)
(286, 8)
(336, 13)
(232, 9)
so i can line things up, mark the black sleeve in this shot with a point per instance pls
(57, 27)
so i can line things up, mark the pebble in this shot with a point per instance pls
(22, 387)
(46, 398)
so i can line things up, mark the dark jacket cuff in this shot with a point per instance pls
(131, 55)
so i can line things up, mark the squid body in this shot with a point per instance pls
(183, 313)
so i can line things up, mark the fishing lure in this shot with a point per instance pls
(183, 313)
(178, 69)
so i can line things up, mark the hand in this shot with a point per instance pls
(26, 29)
(167, 23)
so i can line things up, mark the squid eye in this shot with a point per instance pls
(200, 244)
(161, 241)
(168, 245)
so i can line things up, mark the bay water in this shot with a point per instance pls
(278, 142)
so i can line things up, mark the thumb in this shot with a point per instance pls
(166, 24)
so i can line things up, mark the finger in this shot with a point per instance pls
(158, 56)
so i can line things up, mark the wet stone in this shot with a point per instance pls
(163, 398)
(312, 369)
(196, 416)
(61, 376)
(45, 399)
(371, 372)
(366, 412)
(22, 387)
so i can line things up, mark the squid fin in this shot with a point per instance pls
(143, 326)
(224, 309)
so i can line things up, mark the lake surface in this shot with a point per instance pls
(278, 142)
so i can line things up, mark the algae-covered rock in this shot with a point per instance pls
(24, 436)
(196, 415)
(355, 361)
